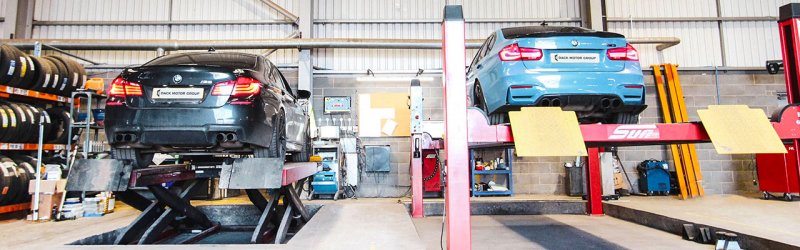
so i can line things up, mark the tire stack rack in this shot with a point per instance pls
(34, 93)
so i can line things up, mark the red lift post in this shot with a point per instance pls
(456, 200)
(789, 30)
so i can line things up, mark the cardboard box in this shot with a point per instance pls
(47, 186)
(47, 202)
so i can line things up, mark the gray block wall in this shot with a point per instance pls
(722, 174)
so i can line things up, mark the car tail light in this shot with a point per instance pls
(133, 89)
(515, 53)
(521, 87)
(246, 87)
(117, 88)
(241, 87)
(223, 88)
(628, 53)
(122, 88)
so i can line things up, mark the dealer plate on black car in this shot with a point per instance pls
(178, 93)
(574, 58)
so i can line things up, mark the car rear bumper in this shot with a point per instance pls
(573, 88)
(229, 126)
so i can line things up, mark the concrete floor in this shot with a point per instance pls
(385, 224)
(771, 219)
(556, 232)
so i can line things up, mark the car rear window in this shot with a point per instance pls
(232, 60)
(547, 31)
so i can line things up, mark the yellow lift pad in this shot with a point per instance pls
(738, 129)
(546, 131)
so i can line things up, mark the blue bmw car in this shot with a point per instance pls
(596, 74)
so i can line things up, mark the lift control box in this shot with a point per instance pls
(415, 103)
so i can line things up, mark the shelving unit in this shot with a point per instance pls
(507, 174)
(33, 94)
(31, 146)
(15, 207)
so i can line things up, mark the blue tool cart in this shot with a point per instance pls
(491, 171)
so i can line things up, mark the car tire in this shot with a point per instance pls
(305, 153)
(480, 102)
(277, 143)
(625, 118)
(137, 158)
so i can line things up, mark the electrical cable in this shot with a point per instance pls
(630, 183)
(444, 212)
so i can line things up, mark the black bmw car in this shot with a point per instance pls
(206, 103)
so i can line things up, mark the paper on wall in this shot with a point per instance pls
(389, 127)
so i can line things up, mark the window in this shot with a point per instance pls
(233, 60)
(489, 45)
(477, 58)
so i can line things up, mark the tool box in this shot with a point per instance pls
(654, 177)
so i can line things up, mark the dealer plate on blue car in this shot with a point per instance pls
(574, 58)
(178, 93)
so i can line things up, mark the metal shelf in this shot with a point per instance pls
(15, 207)
(489, 172)
(30, 146)
(508, 155)
(33, 94)
(490, 193)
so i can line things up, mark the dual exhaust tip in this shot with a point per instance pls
(551, 102)
(125, 137)
(227, 137)
(606, 103)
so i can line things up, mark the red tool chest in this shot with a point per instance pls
(777, 173)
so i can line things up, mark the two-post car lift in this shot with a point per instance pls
(465, 127)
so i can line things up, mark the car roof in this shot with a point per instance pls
(549, 31)
(225, 59)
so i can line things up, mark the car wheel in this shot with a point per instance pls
(625, 118)
(305, 152)
(480, 102)
(137, 158)
(277, 144)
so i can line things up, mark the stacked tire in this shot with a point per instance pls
(19, 123)
(49, 74)
(15, 174)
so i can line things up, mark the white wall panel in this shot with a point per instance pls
(699, 42)
(228, 9)
(101, 10)
(660, 8)
(749, 44)
(159, 10)
(423, 11)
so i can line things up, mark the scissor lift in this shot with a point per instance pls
(172, 219)
(465, 127)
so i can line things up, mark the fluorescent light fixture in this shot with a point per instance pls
(392, 79)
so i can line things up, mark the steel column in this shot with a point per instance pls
(789, 30)
(594, 185)
(457, 211)
(417, 210)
